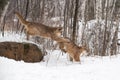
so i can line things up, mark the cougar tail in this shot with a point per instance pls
(22, 21)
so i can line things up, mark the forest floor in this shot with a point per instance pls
(59, 68)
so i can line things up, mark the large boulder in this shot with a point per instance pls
(27, 52)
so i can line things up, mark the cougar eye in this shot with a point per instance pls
(60, 29)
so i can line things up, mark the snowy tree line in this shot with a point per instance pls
(92, 23)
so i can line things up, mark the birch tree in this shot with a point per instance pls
(2, 20)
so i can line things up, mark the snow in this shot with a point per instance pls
(56, 66)
(12, 36)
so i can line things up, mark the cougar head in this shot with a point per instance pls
(58, 31)
(83, 51)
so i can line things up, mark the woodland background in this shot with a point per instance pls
(92, 23)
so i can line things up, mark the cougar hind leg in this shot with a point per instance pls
(28, 35)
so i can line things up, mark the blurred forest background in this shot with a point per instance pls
(92, 23)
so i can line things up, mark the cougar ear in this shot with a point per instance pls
(15, 12)
(86, 48)
(59, 29)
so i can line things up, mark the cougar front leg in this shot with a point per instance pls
(76, 57)
(60, 39)
(71, 58)
(61, 46)
(28, 35)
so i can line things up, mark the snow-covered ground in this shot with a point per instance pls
(57, 67)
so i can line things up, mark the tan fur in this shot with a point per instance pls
(38, 29)
(72, 49)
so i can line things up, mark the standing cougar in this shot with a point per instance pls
(72, 49)
(37, 29)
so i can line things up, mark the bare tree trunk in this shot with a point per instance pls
(27, 7)
(2, 22)
(98, 10)
(75, 21)
(105, 31)
(98, 27)
(83, 7)
(26, 12)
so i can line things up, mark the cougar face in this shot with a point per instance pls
(84, 51)
(58, 31)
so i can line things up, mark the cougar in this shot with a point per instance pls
(72, 49)
(38, 29)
